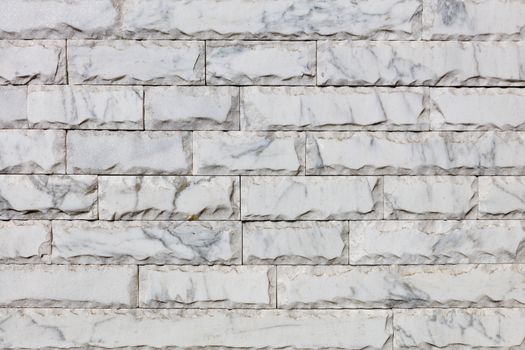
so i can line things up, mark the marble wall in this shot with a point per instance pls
(262, 174)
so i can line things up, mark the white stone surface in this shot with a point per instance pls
(422, 153)
(437, 242)
(13, 101)
(68, 286)
(246, 329)
(160, 62)
(260, 63)
(160, 242)
(496, 329)
(129, 152)
(330, 108)
(32, 62)
(451, 63)
(430, 197)
(286, 19)
(48, 197)
(84, 107)
(443, 286)
(304, 242)
(477, 109)
(24, 241)
(207, 286)
(168, 198)
(473, 19)
(311, 198)
(52, 19)
(246, 153)
(192, 108)
(502, 197)
(32, 151)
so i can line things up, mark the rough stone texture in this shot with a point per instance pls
(403, 153)
(311, 198)
(307, 242)
(192, 108)
(202, 286)
(473, 19)
(48, 197)
(245, 329)
(32, 151)
(13, 102)
(84, 107)
(437, 242)
(260, 63)
(159, 62)
(288, 19)
(168, 198)
(32, 62)
(401, 286)
(107, 242)
(342, 108)
(24, 241)
(502, 197)
(68, 286)
(437, 63)
(446, 329)
(477, 109)
(245, 153)
(125, 152)
(430, 197)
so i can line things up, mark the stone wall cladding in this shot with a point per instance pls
(270, 174)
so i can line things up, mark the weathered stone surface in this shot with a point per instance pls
(148, 242)
(24, 241)
(32, 62)
(245, 153)
(260, 62)
(498, 329)
(289, 19)
(207, 286)
(430, 197)
(333, 108)
(437, 63)
(125, 152)
(13, 100)
(473, 19)
(477, 109)
(246, 329)
(168, 198)
(48, 197)
(160, 62)
(502, 197)
(436, 242)
(192, 108)
(486, 285)
(32, 151)
(311, 198)
(425, 153)
(305, 242)
(51, 19)
(68, 286)
(85, 107)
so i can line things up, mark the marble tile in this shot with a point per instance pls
(311, 198)
(248, 153)
(302, 242)
(333, 108)
(168, 198)
(147, 242)
(437, 242)
(25, 241)
(13, 107)
(260, 63)
(502, 197)
(207, 287)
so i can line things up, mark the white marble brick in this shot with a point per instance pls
(25, 241)
(502, 197)
(13, 107)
